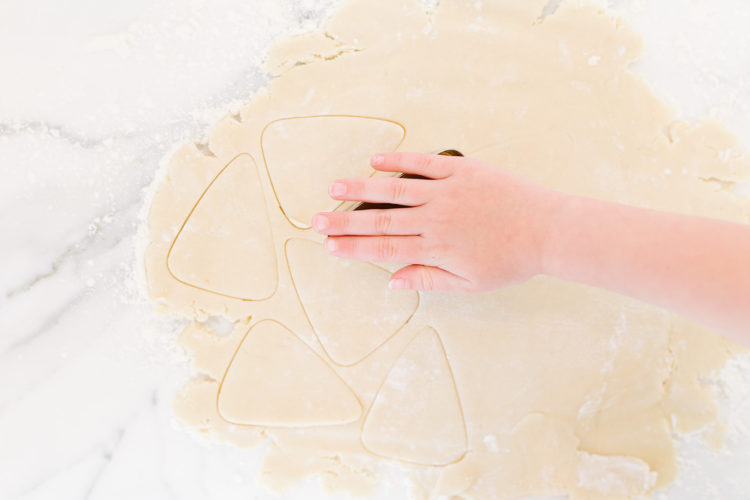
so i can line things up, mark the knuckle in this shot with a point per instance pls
(393, 160)
(339, 222)
(426, 280)
(383, 222)
(355, 187)
(346, 247)
(386, 249)
(425, 162)
(397, 190)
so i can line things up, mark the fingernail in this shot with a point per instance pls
(377, 160)
(330, 245)
(337, 189)
(320, 223)
(397, 284)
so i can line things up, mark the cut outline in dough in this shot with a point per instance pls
(512, 69)
(190, 213)
(366, 414)
(312, 327)
(268, 170)
(237, 350)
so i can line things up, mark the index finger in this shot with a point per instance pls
(427, 165)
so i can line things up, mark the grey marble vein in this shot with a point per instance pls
(107, 454)
(79, 246)
(57, 131)
(51, 321)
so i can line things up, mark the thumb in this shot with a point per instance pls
(427, 278)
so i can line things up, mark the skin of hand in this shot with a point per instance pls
(474, 227)
(470, 227)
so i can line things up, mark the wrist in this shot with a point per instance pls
(554, 227)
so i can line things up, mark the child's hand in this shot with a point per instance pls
(471, 227)
(474, 227)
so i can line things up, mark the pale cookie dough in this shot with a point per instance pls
(372, 313)
(259, 388)
(543, 388)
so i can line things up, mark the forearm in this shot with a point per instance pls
(697, 267)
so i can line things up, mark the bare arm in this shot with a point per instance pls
(473, 227)
(697, 267)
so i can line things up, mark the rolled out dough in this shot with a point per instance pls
(543, 388)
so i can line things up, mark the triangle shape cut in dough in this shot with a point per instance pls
(275, 379)
(226, 245)
(416, 416)
(348, 303)
(304, 155)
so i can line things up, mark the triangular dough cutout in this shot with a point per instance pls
(304, 155)
(225, 245)
(348, 303)
(275, 379)
(416, 416)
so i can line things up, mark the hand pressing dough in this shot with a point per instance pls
(543, 388)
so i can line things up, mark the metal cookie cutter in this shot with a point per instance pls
(364, 205)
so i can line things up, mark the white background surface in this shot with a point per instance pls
(92, 94)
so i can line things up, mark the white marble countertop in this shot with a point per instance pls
(92, 94)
